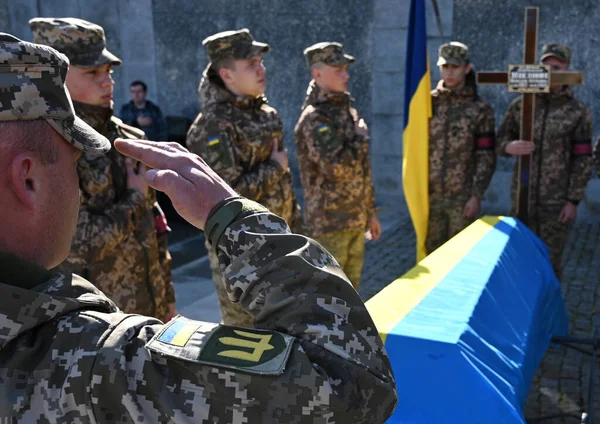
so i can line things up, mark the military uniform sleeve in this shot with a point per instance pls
(485, 156)
(510, 129)
(597, 157)
(581, 151)
(315, 355)
(368, 173)
(324, 146)
(214, 141)
(102, 229)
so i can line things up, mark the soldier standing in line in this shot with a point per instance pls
(335, 168)
(68, 355)
(561, 161)
(241, 137)
(121, 239)
(461, 147)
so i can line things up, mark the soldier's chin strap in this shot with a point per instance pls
(226, 212)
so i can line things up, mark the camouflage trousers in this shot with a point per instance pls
(445, 221)
(544, 223)
(231, 313)
(348, 248)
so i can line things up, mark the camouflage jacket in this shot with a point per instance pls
(561, 162)
(461, 145)
(235, 136)
(315, 357)
(121, 237)
(335, 167)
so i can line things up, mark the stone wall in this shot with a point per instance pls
(389, 62)
(160, 43)
(494, 32)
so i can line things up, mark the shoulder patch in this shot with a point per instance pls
(243, 349)
(323, 128)
(127, 130)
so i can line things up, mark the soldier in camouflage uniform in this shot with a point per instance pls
(68, 355)
(241, 137)
(332, 141)
(461, 147)
(121, 238)
(561, 162)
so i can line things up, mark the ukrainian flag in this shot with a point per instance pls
(417, 111)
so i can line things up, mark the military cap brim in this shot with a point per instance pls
(555, 55)
(82, 136)
(93, 60)
(450, 61)
(345, 60)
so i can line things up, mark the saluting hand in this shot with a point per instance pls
(193, 187)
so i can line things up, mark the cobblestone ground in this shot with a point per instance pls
(561, 383)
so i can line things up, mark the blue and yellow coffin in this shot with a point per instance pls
(466, 328)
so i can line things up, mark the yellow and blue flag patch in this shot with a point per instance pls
(323, 128)
(178, 333)
(213, 140)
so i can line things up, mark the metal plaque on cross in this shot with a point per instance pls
(528, 78)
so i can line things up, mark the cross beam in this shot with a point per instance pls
(528, 105)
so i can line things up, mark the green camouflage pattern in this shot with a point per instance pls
(453, 53)
(560, 165)
(67, 355)
(116, 243)
(446, 219)
(559, 51)
(461, 144)
(348, 249)
(235, 136)
(462, 159)
(328, 52)
(235, 44)
(552, 232)
(83, 42)
(32, 86)
(335, 166)
(231, 313)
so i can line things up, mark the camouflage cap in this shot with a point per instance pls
(328, 52)
(81, 41)
(559, 51)
(32, 86)
(237, 44)
(453, 53)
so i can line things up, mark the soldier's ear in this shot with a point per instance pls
(226, 75)
(468, 68)
(316, 73)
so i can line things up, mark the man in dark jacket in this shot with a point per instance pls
(143, 114)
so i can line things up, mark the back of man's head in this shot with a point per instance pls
(40, 140)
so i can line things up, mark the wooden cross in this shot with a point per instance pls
(528, 100)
